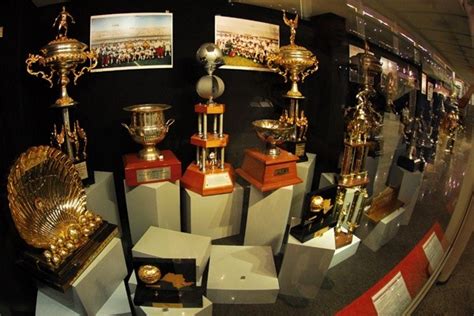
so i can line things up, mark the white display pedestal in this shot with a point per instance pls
(345, 252)
(267, 217)
(93, 287)
(242, 275)
(169, 244)
(326, 179)
(408, 194)
(216, 216)
(383, 231)
(305, 265)
(371, 165)
(205, 310)
(305, 171)
(153, 204)
(101, 198)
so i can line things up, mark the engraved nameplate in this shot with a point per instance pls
(81, 167)
(300, 149)
(153, 174)
(282, 171)
(217, 180)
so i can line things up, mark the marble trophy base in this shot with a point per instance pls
(242, 275)
(374, 236)
(305, 265)
(305, 171)
(93, 288)
(101, 198)
(153, 204)
(215, 216)
(169, 244)
(267, 217)
(205, 310)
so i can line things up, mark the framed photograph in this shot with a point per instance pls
(246, 43)
(423, 83)
(132, 41)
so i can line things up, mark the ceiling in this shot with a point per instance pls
(444, 27)
(441, 26)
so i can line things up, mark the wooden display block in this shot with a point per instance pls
(139, 171)
(214, 108)
(211, 182)
(269, 173)
(212, 140)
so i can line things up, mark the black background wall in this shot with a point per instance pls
(26, 119)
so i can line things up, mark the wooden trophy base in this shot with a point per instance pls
(211, 182)
(139, 171)
(269, 173)
(342, 239)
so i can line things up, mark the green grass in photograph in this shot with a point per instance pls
(241, 62)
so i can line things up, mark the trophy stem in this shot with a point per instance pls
(272, 150)
(67, 128)
(150, 153)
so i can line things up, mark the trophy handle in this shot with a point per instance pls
(271, 65)
(128, 128)
(32, 59)
(169, 123)
(92, 57)
(309, 71)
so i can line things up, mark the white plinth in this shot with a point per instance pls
(169, 244)
(408, 194)
(305, 265)
(216, 216)
(305, 171)
(242, 275)
(384, 230)
(153, 204)
(345, 252)
(101, 198)
(326, 179)
(371, 165)
(93, 287)
(267, 217)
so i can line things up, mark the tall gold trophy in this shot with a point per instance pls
(361, 120)
(295, 63)
(61, 59)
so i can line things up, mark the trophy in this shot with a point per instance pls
(148, 128)
(209, 174)
(273, 168)
(361, 121)
(450, 124)
(62, 57)
(48, 206)
(295, 63)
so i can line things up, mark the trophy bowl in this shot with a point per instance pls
(148, 128)
(273, 133)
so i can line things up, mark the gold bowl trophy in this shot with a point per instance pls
(273, 168)
(295, 63)
(48, 206)
(61, 58)
(209, 174)
(148, 128)
(361, 120)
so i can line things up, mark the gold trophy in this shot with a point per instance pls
(295, 63)
(62, 58)
(361, 121)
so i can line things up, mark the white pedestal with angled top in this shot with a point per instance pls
(305, 171)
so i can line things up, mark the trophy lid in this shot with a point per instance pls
(147, 107)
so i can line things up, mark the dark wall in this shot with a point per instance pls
(26, 119)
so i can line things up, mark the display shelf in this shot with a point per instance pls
(305, 171)
(215, 216)
(153, 204)
(242, 275)
(267, 217)
(169, 244)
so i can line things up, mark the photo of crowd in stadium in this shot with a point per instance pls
(132, 41)
(246, 43)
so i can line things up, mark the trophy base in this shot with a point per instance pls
(62, 277)
(410, 164)
(139, 171)
(297, 148)
(305, 232)
(342, 239)
(211, 182)
(269, 173)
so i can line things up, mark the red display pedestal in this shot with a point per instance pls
(138, 171)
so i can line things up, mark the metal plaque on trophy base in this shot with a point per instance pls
(210, 182)
(269, 173)
(297, 148)
(139, 171)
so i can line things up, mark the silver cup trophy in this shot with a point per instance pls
(273, 133)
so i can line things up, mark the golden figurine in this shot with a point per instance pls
(149, 274)
(293, 24)
(61, 22)
(81, 133)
